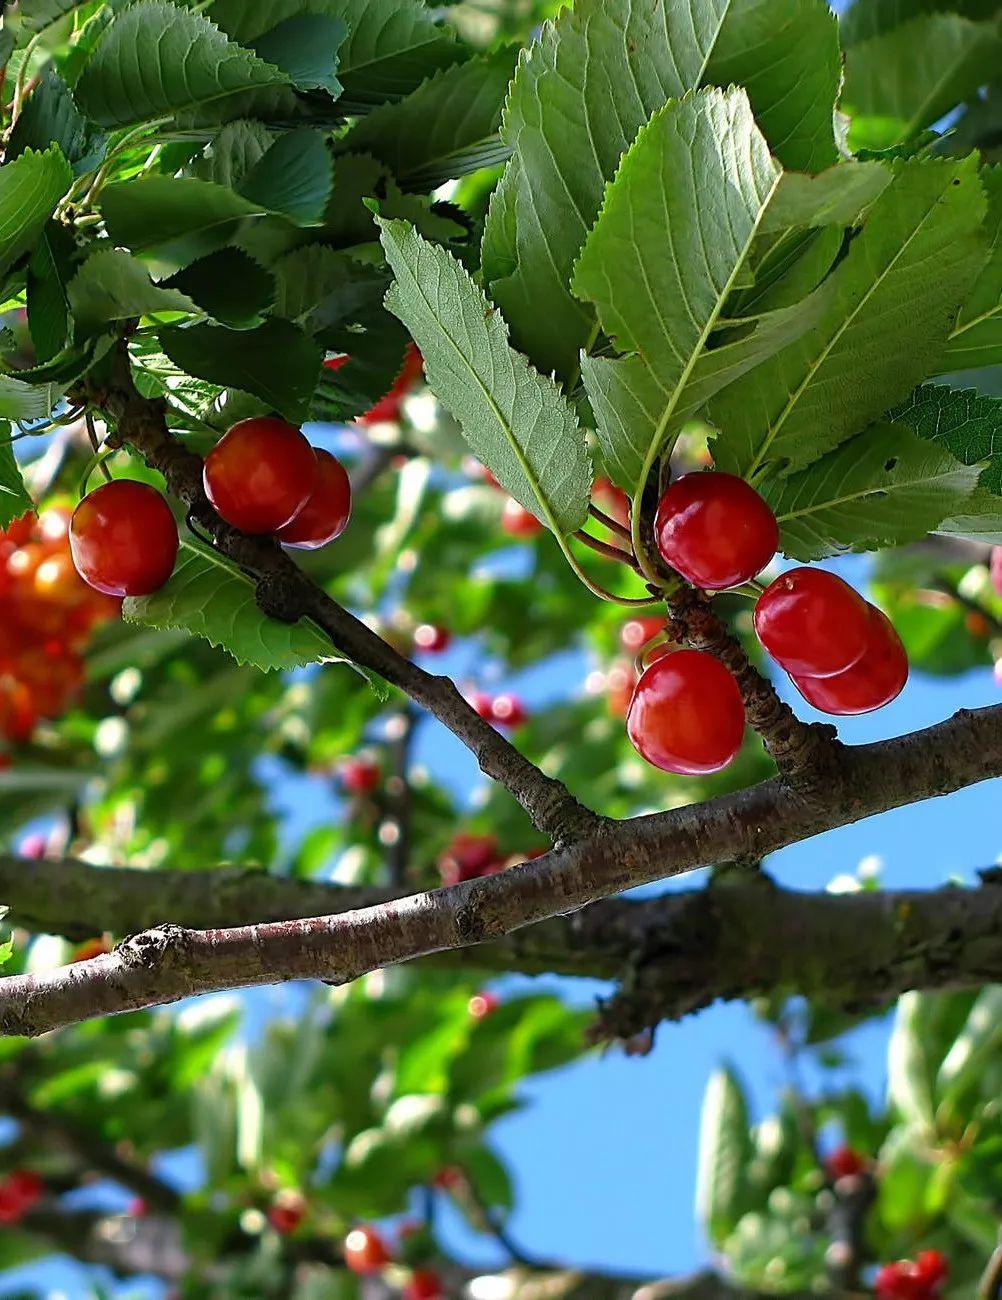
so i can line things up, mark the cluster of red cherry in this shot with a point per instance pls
(387, 409)
(20, 1192)
(47, 615)
(841, 652)
(921, 1278)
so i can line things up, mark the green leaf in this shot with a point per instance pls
(23, 401)
(306, 48)
(664, 308)
(975, 1047)
(908, 78)
(186, 62)
(964, 421)
(49, 273)
(976, 339)
(14, 499)
(293, 178)
(838, 196)
(236, 148)
(50, 116)
(517, 422)
(866, 353)
(228, 285)
(580, 96)
(913, 1055)
(391, 47)
(322, 288)
(724, 1152)
(141, 214)
(276, 361)
(885, 487)
(444, 129)
(868, 18)
(111, 285)
(211, 598)
(30, 188)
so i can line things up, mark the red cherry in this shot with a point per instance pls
(612, 500)
(11, 1205)
(715, 530)
(285, 1217)
(844, 1162)
(467, 857)
(508, 711)
(123, 539)
(27, 1186)
(483, 1004)
(932, 1266)
(687, 715)
(92, 948)
(365, 1251)
(260, 474)
(20, 530)
(137, 1208)
(33, 846)
(638, 631)
(996, 568)
(516, 521)
(335, 363)
(874, 680)
(327, 510)
(431, 639)
(387, 409)
(620, 683)
(424, 1285)
(449, 1179)
(359, 775)
(482, 704)
(812, 623)
(900, 1281)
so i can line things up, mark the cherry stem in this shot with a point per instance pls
(95, 442)
(610, 523)
(609, 551)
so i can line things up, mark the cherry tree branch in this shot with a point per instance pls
(170, 962)
(285, 592)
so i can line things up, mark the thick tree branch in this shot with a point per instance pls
(172, 962)
(285, 592)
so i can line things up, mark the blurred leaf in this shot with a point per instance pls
(724, 1151)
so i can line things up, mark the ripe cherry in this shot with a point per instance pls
(260, 474)
(483, 1004)
(449, 1179)
(844, 1162)
(27, 1185)
(638, 631)
(715, 530)
(365, 1251)
(34, 846)
(137, 1208)
(335, 363)
(516, 521)
(469, 856)
(482, 704)
(359, 775)
(612, 500)
(508, 711)
(900, 1281)
(996, 568)
(327, 510)
(812, 623)
(875, 679)
(687, 715)
(620, 684)
(287, 1214)
(431, 639)
(424, 1285)
(933, 1267)
(123, 539)
(89, 949)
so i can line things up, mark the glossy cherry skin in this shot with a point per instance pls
(901, 1281)
(844, 1162)
(875, 679)
(812, 623)
(483, 1004)
(516, 521)
(932, 1266)
(638, 631)
(327, 510)
(359, 775)
(424, 1285)
(508, 711)
(430, 639)
(687, 715)
(388, 407)
(123, 539)
(260, 474)
(365, 1251)
(715, 530)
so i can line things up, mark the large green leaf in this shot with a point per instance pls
(211, 598)
(885, 487)
(50, 116)
(233, 152)
(724, 1152)
(157, 209)
(276, 361)
(838, 196)
(23, 401)
(517, 421)
(906, 79)
(30, 188)
(306, 48)
(156, 59)
(49, 273)
(228, 285)
(974, 1049)
(671, 240)
(14, 499)
(869, 349)
(976, 339)
(587, 85)
(390, 48)
(868, 18)
(323, 288)
(293, 178)
(445, 128)
(964, 421)
(112, 285)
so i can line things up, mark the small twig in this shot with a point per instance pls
(398, 789)
(990, 1286)
(607, 521)
(604, 548)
